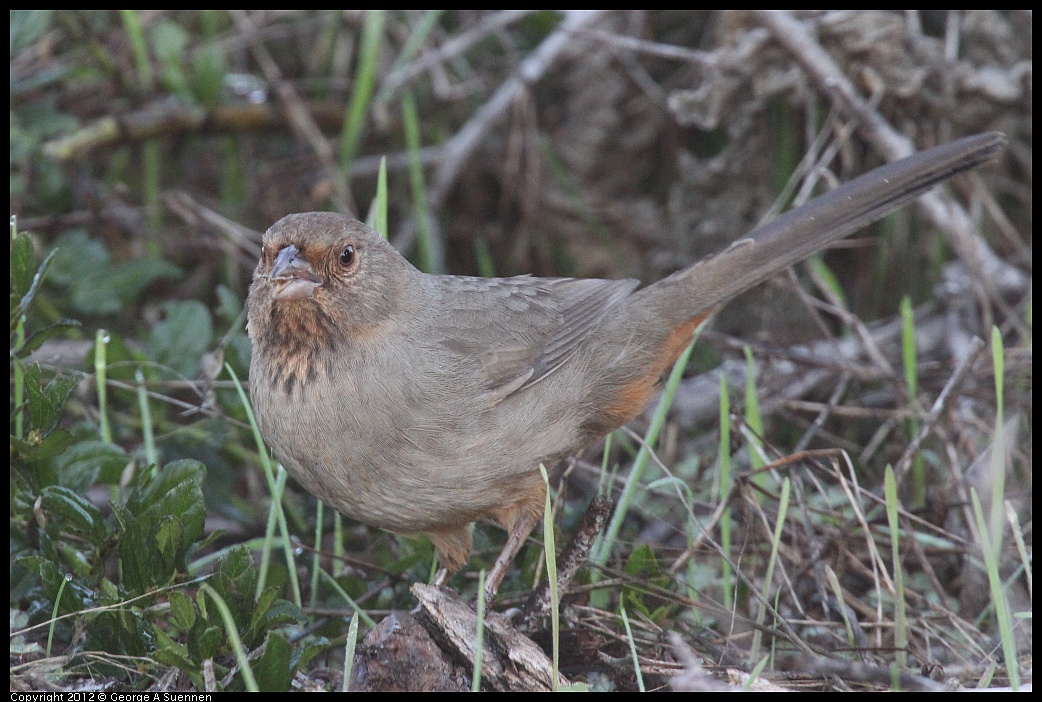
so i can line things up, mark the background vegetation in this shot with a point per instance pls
(149, 149)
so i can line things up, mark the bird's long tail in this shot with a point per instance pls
(800, 232)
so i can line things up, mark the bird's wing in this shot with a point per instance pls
(520, 330)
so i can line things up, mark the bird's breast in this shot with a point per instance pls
(409, 440)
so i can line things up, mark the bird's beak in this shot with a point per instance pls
(292, 275)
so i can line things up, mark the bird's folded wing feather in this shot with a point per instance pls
(522, 329)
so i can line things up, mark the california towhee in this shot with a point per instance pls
(419, 403)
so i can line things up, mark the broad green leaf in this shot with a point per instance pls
(87, 462)
(139, 558)
(205, 640)
(69, 513)
(274, 667)
(96, 284)
(235, 580)
(162, 520)
(170, 652)
(44, 405)
(169, 41)
(207, 78)
(35, 450)
(182, 609)
(23, 266)
(36, 338)
(120, 632)
(180, 340)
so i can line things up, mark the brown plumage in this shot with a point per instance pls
(420, 403)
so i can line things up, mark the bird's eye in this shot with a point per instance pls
(347, 256)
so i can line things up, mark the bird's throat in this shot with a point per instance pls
(298, 340)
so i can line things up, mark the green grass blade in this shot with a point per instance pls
(768, 578)
(101, 340)
(911, 369)
(633, 647)
(479, 635)
(148, 438)
(377, 218)
(991, 551)
(349, 651)
(900, 612)
(998, 443)
(362, 92)
(430, 255)
(723, 489)
(316, 557)
(753, 417)
(341, 592)
(550, 552)
(232, 632)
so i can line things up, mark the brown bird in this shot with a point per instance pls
(420, 403)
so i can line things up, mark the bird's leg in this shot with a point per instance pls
(519, 531)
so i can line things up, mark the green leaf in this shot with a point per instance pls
(642, 563)
(74, 593)
(172, 535)
(44, 405)
(311, 648)
(70, 513)
(176, 504)
(274, 668)
(204, 641)
(126, 281)
(208, 71)
(138, 555)
(120, 632)
(643, 567)
(825, 275)
(162, 520)
(87, 462)
(269, 613)
(235, 580)
(18, 308)
(77, 255)
(108, 593)
(229, 304)
(23, 267)
(169, 42)
(262, 605)
(182, 610)
(158, 488)
(84, 266)
(180, 340)
(34, 451)
(36, 339)
(170, 652)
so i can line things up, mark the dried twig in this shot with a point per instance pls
(572, 558)
(943, 212)
(467, 139)
(399, 77)
(299, 117)
(940, 406)
(650, 48)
